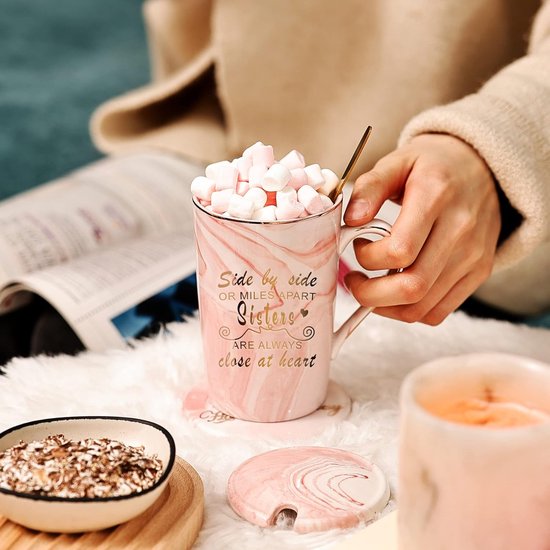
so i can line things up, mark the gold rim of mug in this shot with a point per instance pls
(276, 222)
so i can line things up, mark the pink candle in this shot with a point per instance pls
(474, 458)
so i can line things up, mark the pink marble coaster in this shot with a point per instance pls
(307, 489)
(335, 408)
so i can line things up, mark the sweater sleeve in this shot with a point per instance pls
(508, 122)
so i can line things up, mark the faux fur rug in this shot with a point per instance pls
(150, 380)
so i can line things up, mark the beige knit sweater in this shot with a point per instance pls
(311, 74)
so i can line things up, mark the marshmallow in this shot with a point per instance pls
(254, 186)
(265, 214)
(256, 174)
(314, 176)
(258, 196)
(227, 177)
(239, 207)
(243, 166)
(331, 181)
(286, 196)
(289, 211)
(220, 200)
(292, 160)
(276, 178)
(202, 188)
(298, 177)
(212, 170)
(327, 203)
(243, 187)
(310, 199)
(247, 153)
(263, 154)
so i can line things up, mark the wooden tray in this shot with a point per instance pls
(174, 521)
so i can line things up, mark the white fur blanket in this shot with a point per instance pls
(150, 380)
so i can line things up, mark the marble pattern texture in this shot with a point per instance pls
(322, 488)
(266, 299)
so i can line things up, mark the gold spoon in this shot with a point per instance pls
(338, 189)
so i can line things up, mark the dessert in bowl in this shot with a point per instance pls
(76, 474)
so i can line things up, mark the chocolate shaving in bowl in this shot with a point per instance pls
(57, 466)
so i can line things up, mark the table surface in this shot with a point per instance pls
(150, 381)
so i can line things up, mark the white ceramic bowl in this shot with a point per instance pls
(74, 515)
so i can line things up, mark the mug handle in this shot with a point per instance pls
(348, 234)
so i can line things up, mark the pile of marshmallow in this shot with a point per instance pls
(256, 187)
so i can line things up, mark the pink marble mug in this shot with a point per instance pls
(266, 301)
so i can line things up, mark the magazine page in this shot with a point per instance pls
(108, 202)
(120, 294)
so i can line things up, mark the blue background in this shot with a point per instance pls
(59, 59)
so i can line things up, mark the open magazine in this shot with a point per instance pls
(109, 247)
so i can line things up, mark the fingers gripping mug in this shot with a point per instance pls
(266, 300)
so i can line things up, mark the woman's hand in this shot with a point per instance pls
(445, 236)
